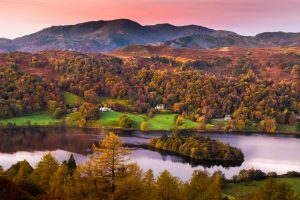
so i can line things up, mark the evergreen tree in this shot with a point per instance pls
(71, 164)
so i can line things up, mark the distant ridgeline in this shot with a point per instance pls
(198, 147)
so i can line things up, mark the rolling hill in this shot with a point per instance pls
(102, 36)
(106, 36)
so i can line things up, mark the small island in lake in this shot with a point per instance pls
(197, 147)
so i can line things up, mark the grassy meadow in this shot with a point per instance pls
(240, 190)
(157, 122)
(40, 119)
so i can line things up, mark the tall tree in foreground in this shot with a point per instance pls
(109, 160)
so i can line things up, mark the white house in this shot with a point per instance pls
(227, 118)
(105, 109)
(160, 107)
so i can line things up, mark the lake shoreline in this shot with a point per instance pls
(199, 131)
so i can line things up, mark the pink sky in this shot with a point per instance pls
(248, 17)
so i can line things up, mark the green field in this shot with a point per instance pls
(157, 122)
(40, 119)
(110, 119)
(240, 190)
(71, 100)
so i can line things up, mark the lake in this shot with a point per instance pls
(265, 152)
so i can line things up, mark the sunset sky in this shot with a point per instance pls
(248, 17)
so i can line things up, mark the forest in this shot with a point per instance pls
(109, 174)
(37, 82)
(197, 147)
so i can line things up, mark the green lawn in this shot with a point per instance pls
(157, 122)
(40, 119)
(110, 119)
(240, 190)
(71, 100)
(162, 122)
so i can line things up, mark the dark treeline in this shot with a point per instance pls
(108, 174)
(188, 91)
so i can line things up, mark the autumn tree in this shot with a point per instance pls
(125, 121)
(109, 159)
(88, 111)
(144, 125)
(296, 71)
(168, 186)
(202, 186)
(44, 171)
(130, 186)
(149, 185)
(58, 180)
(268, 125)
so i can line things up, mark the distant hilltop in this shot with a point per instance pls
(106, 36)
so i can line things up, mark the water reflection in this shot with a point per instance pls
(279, 154)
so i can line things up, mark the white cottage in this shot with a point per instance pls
(105, 109)
(160, 107)
(227, 118)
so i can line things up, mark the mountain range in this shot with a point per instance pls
(106, 36)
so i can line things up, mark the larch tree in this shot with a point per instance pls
(44, 171)
(109, 159)
(58, 180)
(168, 187)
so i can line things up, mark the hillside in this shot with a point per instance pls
(106, 36)
(102, 36)
(271, 63)
(257, 86)
(271, 39)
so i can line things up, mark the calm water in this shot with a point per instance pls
(268, 153)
